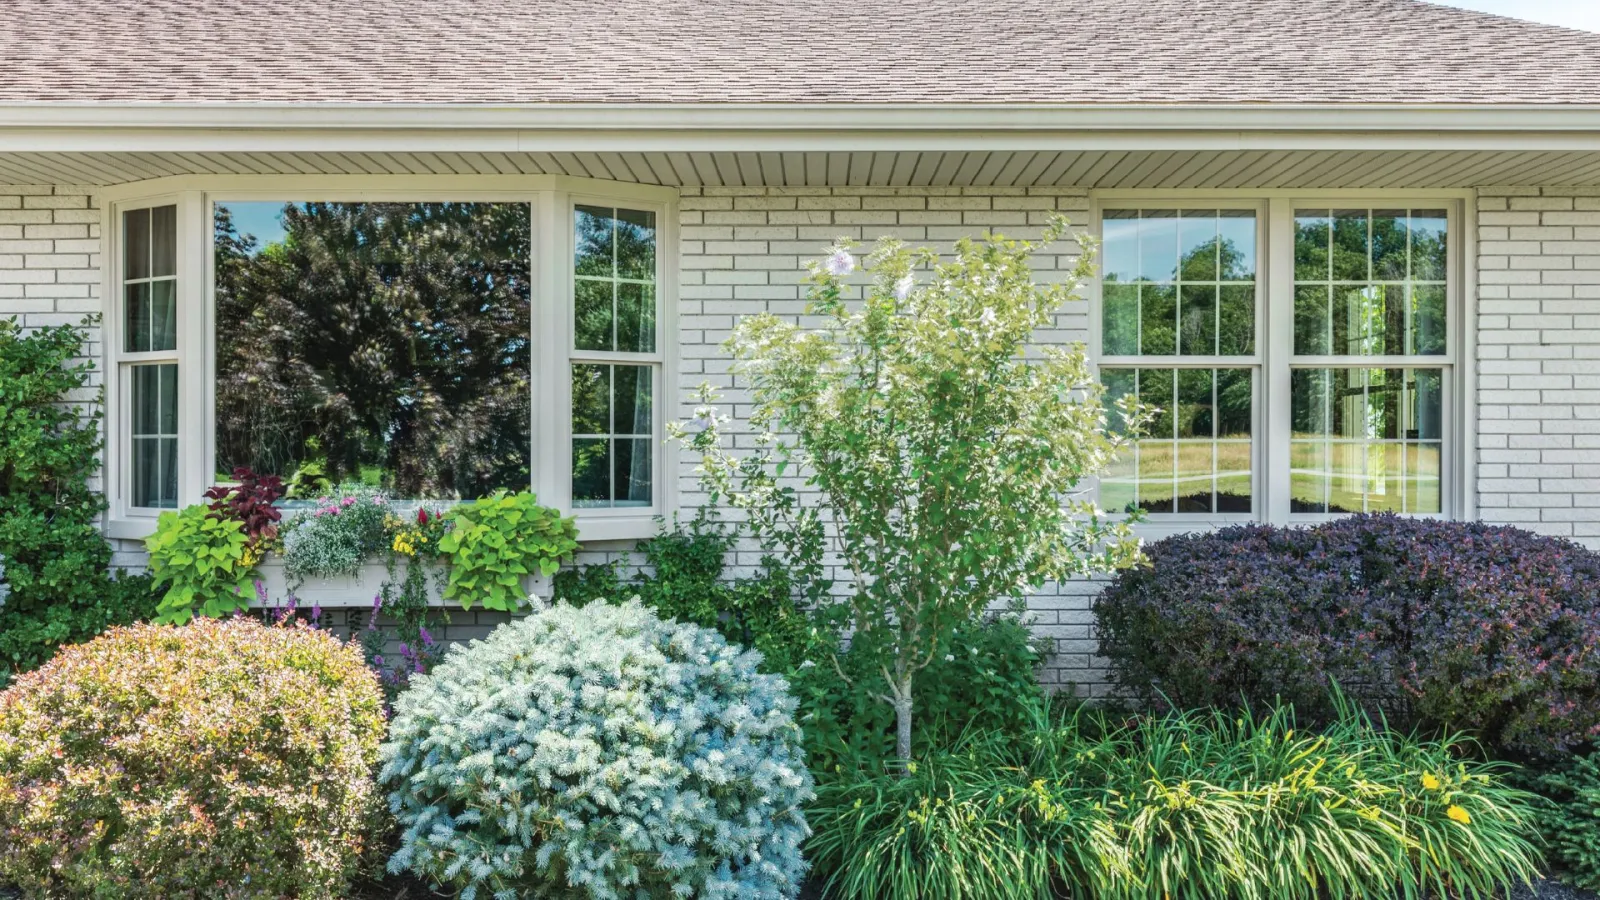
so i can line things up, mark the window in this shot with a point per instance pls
(148, 353)
(614, 357)
(438, 347)
(386, 344)
(1368, 283)
(1362, 359)
(1179, 300)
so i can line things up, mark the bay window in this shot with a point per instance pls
(1301, 355)
(436, 346)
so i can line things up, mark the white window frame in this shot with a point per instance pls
(550, 199)
(1275, 340)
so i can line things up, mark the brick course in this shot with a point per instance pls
(1538, 360)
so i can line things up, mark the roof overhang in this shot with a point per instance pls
(199, 127)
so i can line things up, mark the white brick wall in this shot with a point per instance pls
(1538, 359)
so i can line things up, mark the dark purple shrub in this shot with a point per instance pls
(1441, 625)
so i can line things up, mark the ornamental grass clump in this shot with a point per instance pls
(1183, 806)
(222, 758)
(599, 752)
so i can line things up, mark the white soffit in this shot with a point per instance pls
(1098, 169)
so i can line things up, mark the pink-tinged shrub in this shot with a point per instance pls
(220, 759)
(1463, 626)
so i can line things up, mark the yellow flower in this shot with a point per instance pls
(1430, 781)
(1457, 814)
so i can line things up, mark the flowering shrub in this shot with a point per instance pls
(336, 537)
(599, 752)
(1183, 806)
(223, 758)
(1448, 625)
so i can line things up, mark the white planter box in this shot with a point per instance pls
(359, 590)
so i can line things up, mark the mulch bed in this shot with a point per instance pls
(410, 889)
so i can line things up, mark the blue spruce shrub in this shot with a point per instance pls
(599, 752)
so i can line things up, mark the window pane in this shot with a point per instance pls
(1384, 288)
(136, 244)
(1197, 311)
(136, 316)
(1426, 336)
(1351, 258)
(591, 472)
(1236, 229)
(636, 244)
(632, 472)
(163, 241)
(1182, 261)
(1308, 477)
(1155, 490)
(382, 343)
(615, 272)
(1428, 244)
(1197, 245)
(631, 405)
(1236, 320)
(154, 463)
(1311, 246)
(636, 318)
(591, 399)
(1158, 246)
(1120, 311)
(1311, 312)
(595, 234)
(1366, 440)
(1158, 319)
(1120, 256)
(613, 426)
(593, 306)
(1196, 456)
(1119, 383)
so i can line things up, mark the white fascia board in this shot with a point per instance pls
(244, 127)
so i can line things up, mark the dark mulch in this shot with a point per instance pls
(392, 888)
(1551, 890)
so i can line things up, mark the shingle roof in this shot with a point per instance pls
(875, 51)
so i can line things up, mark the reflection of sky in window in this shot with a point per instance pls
(264, 219)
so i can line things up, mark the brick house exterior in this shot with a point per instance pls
(1512, 149)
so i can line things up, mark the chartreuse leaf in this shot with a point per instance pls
(200, 560)
(499, 539)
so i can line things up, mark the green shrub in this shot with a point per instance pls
(1570, 820)
(223, 758)
(1184, 806)
(204, 561)
(599, 752)
(683, 577)
(498, 541)
(55, 558)
(983, 676)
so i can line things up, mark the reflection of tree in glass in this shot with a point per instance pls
(388, 343)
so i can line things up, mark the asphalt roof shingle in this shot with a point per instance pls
(741, 51)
